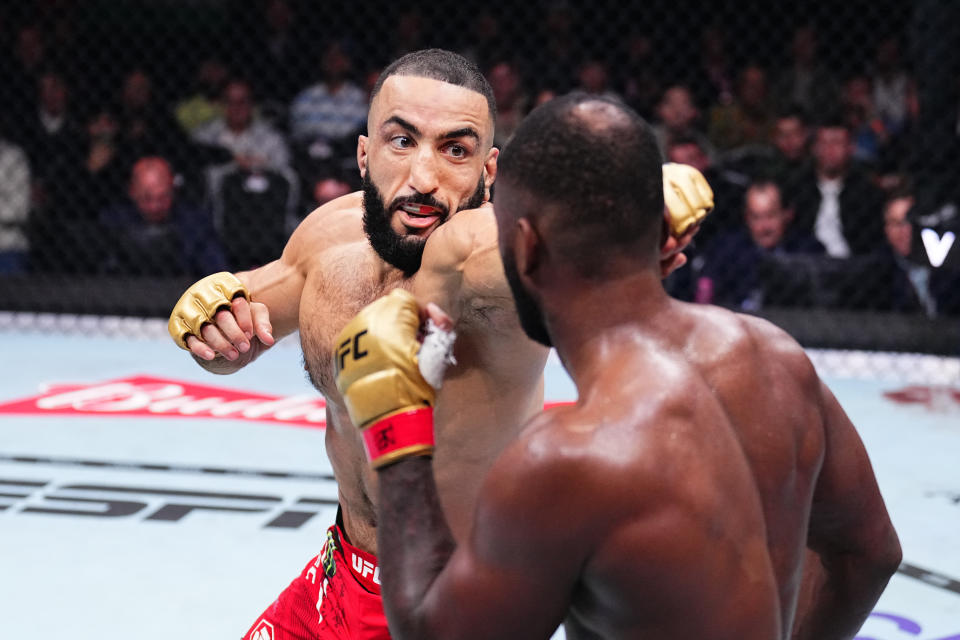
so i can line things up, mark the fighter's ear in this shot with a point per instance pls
(527, 248)
(490, 171)
(362, 155)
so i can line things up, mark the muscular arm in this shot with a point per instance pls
(275, 292)
(461, 265)
(511, 579)
(853, 549)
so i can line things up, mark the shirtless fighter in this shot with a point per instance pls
(427, 155)
(681, 495)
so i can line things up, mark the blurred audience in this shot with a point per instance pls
(638, 75)
(204, 104)
(817, 152)
(862, 119)
(252, 143)
(326, 117)
(678, 117)
(791, 147)
(835, 199)
(903, 279)
(52, 139)
(512, 101)
(730, 274)
(749, 118)
(728, 186)
(806, 81)
(14, 207)
(714, 81)
(154, 232)
(894, 90)
(259, 159)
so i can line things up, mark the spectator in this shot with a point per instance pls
(21, 74)
(203, 105)
(835, 199)
(331, 111)
(731, 269)
(253, 143)
(148, 128)
(558, 47)
(806, 81)
(894, 90)
(486, 46)
(328, 183)
(639, 79)
(157, 233)
(52, 140)
(277, 55)
(748, 119)
(867, 127)
(728, 186)
(511, 100)
(14, 207)
(105, 169)
(791, 147)
(713, 83)
(678, 117)
(593, 77)
(900, 282)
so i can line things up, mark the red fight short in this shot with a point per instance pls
(337, 596)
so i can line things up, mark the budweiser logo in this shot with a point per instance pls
(148, 396)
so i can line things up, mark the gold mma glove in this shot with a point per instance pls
(687, 195)
(379, 376)
(200, 303)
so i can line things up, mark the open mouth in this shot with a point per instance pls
(419, 216)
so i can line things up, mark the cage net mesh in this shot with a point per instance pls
(145, 144)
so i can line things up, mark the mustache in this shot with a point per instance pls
(418, 198)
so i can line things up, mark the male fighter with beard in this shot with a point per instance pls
(680, 497)
(427, 164)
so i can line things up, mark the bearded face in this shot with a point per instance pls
(403, 251)
(529, 311)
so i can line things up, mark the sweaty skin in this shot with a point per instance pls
(329, 271)
(698, 496)
(706, 484)
(426, 137)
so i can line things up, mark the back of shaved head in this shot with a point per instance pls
(592, 169)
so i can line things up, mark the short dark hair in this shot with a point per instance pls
(794, 110)
(833, 120)
(598, 173)
(445, 66)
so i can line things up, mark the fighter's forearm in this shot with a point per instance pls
(837, 595)
(414, 544)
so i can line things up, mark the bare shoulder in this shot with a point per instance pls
(336, 222)
(461, 268)
(570, 460)
(461, 238)
(736, 340)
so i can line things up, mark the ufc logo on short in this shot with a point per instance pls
(348, 347)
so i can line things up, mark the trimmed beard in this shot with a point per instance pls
(529, 311)
(404, 252)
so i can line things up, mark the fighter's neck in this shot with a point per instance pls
(589, 325)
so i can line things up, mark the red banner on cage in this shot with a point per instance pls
(147, 396)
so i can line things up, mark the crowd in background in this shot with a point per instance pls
(111, 163)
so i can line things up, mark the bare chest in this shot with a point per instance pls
(332, 296)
